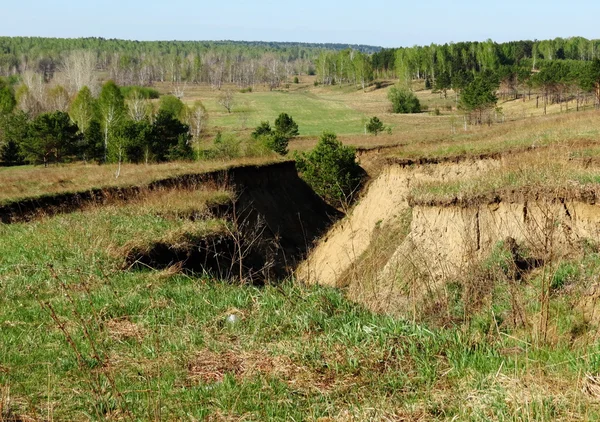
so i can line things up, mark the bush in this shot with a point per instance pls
(331, 170)
(375, 126)
(264, 128)
(296, 80)
(403, 101)
(274, 142)
(226, 146)
(145, 92)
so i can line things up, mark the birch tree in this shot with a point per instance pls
(79, 70)
(82, 109)
(112, 110)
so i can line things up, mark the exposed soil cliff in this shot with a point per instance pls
(381, 205)
(390, 250)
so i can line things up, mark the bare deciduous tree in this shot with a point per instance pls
(137, 105)
(179, 89)
(79, 70)
(226, 100)
(196, 119)
(32, 95)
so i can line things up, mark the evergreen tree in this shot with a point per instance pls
(7, 98)
(136, 140)
(51, 137)
(375, 126)
(331, 169)
(169, 138)
(93, 142)
(285, 126)
(13, 129)
(264, 128)
(478, 96)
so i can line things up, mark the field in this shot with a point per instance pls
(102, 319)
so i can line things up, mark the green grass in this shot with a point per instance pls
(82, 339)
(314, 114)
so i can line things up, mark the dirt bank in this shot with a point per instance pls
(381, 205)
(390, 248)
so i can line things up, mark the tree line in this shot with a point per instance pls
(555, 71)
(142, 63)
(421, 62)
(115, 126)
(346, 66)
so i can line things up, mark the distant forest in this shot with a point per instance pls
(65, 99)
(558, 70)
(244, 63)
(515, 64)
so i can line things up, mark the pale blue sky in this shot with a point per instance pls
(385, 23)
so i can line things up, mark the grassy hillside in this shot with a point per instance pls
(82, 339)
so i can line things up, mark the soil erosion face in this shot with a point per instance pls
(382, 205)
(382, 258)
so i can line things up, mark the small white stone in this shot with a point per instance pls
(232, 319)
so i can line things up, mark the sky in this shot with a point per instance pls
(384, 23)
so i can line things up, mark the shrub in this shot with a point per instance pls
(275, 142)
(145, 92)
(403, 101)
(375, 126)
(296, 80)
(331, 169)
(264, 128)
(226, 146)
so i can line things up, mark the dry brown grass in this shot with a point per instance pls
(545, 172)
(208, 366)
(194, 202)
(123, 329)
(24, 182)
